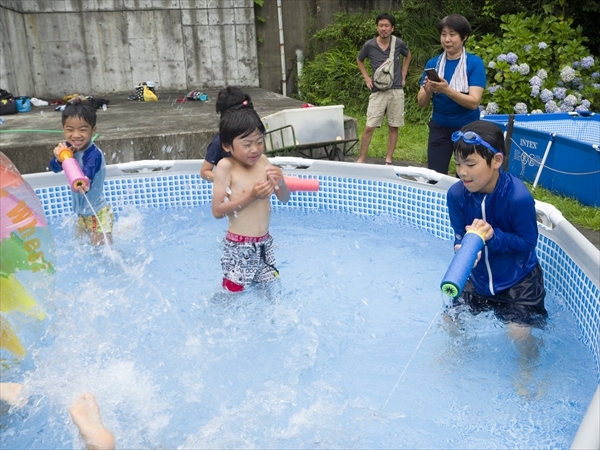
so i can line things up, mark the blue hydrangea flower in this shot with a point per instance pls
(559, 92)
(587, 62)
(535, 81)
(542, 45)
(527, 47)
(551, 107)
(537, 111)
(570, 100)
(492, 108)
(514, 68)
(501, 57)
(542, 74)
(494, 88)
(520, 108)
(586, 103)
(581, 108)
(567, 74)
(535, 91)
(524, 69)
(511, 58)
(492, 65)
(596, 86)
(566, 108)
(596, 75)
(546, 95)
(575, 64)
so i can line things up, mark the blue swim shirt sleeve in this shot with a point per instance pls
(92, 162)
(457, 211)
(55, 166)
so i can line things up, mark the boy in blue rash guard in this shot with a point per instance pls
(79, 125)
(508, 277)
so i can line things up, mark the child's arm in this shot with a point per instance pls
(206, 171)
(55, 165)
(221, 204)
(275, 175)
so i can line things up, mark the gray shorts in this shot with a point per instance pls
(248, 260)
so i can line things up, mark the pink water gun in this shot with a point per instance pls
(76, 178)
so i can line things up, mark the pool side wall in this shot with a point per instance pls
(564, 145)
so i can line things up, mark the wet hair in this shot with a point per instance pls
(489, 132)
(457, 23)
(232, 98)
(386, 16)
(83, 110)
(239, 123)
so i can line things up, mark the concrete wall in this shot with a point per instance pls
(50, 48)
(55, 47)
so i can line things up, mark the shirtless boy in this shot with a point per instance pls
(243, 186)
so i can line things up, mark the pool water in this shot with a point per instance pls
(349, 348)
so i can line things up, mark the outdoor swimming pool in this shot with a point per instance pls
(347, 349)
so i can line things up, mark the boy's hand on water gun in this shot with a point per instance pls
(58, 148)
(482, 228)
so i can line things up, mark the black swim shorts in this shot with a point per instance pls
(522, 304)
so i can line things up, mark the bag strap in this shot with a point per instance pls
(392, 57)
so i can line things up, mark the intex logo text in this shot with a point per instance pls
(529, 144)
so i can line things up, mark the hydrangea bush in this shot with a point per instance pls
(539, 65)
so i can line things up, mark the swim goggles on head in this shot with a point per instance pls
(470, 137)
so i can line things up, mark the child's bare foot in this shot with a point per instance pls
(11, 394)
(85, 412)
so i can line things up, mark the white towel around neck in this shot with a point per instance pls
(459, 80)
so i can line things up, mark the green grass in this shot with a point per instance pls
(576, 213)
(412, 141)
(412, 147)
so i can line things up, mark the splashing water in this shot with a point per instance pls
(308, 360)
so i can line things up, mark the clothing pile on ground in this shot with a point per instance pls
(12, 105)
(145, 92)
(97, 103)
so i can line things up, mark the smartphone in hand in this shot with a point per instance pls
(432, 75)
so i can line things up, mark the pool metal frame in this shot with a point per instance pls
(570, 262)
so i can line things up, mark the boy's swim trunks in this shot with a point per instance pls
(90, 223)
(247, 260)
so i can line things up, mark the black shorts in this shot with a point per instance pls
(522, 304)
